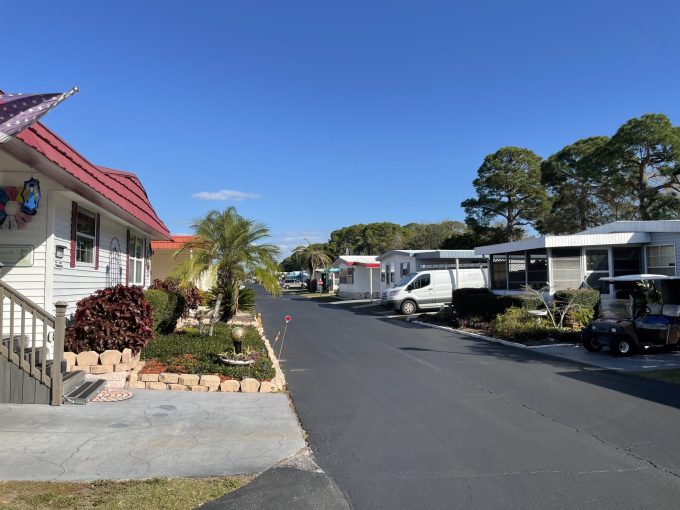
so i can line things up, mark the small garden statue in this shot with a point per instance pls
(237, 334)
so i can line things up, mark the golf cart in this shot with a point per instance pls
(644, 314)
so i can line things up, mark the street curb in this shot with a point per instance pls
(484, 337)
(279, 379)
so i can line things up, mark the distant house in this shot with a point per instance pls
(584, 258)
(359, 276)
(92, 227)
(395, 264)
(164, 261)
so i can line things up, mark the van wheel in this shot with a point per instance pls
(408, 307)
(286, 287)
(621, 347)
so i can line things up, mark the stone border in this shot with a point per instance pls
(212, 382)
(92, 362)
(484, 337)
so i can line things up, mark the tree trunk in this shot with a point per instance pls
(216, 312)
(234, 299)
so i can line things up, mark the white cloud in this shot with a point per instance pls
(225, 194)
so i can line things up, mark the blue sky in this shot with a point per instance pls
(320, 114)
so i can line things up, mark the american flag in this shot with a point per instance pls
(18, 111)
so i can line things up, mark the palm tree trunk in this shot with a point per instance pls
(216, 312)
(234, 299)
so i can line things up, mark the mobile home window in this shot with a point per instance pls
(136, 260)
(499, 272)
(405, 269)
(537, 270)
(661, 259)
(347, 276)
(517, 266)
(86, 231)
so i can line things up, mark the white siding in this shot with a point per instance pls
(362, 283)
(395, 261)
(74, 283)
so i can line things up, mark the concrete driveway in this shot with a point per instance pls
(153, 434)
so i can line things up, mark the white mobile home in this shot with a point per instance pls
(583, 259)
(469, 268)
(91, 228)
(359, 276)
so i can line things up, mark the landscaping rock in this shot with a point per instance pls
(126, 356)
(250, 385)
(189, 379)
(101, 369)
(133, 376)
(137, 384)
(70, 358)
(230, 386)
(198, 388)
(266, 387)
(156, 386)
(87, 358)
(114, 380)
(177, 387)
(122, 367)
(109, 357)
(211, 381)
(148, 377)
(169, 378)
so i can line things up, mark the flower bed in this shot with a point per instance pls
(190, 353)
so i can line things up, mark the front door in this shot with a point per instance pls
(597, 266)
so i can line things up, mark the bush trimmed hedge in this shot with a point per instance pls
(482, 303)
(517, 325)
(167, 307)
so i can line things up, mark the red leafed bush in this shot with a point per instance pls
(113, 318)
(192, 296)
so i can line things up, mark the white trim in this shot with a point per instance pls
(50, 247)
(93, 215)
(571, 241)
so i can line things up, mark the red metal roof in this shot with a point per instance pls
(175, 244)
(124, 189)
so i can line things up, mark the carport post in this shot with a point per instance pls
(370, 281)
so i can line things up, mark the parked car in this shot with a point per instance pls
(292, 283)
(423, 290)
(648, 318)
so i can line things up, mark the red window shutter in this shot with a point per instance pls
(127, 263)
(96, 243)
(74, 221)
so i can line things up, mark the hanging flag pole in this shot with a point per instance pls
(19, 111)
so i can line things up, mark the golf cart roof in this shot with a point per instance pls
(638, 277)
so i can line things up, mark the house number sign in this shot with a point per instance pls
(16, 255)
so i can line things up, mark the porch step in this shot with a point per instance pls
(85, 392)
(72, 380)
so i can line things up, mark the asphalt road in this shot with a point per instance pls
(406, 417)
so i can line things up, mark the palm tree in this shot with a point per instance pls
(315, 255)
(226, 244)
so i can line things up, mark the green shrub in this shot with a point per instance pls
(447, 315)
(185, 352)
(112, 318)
(586, 298)
(517, 325)
(167, 308)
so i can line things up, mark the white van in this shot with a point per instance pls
(428, 289)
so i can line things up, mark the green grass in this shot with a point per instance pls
(670, 376)
(157, 493)
(192, 353)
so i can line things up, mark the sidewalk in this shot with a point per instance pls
(153, 434)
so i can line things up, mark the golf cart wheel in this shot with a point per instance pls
(590, 344)
(408, 307)
(621, 347)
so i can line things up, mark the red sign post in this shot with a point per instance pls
(287, 318)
